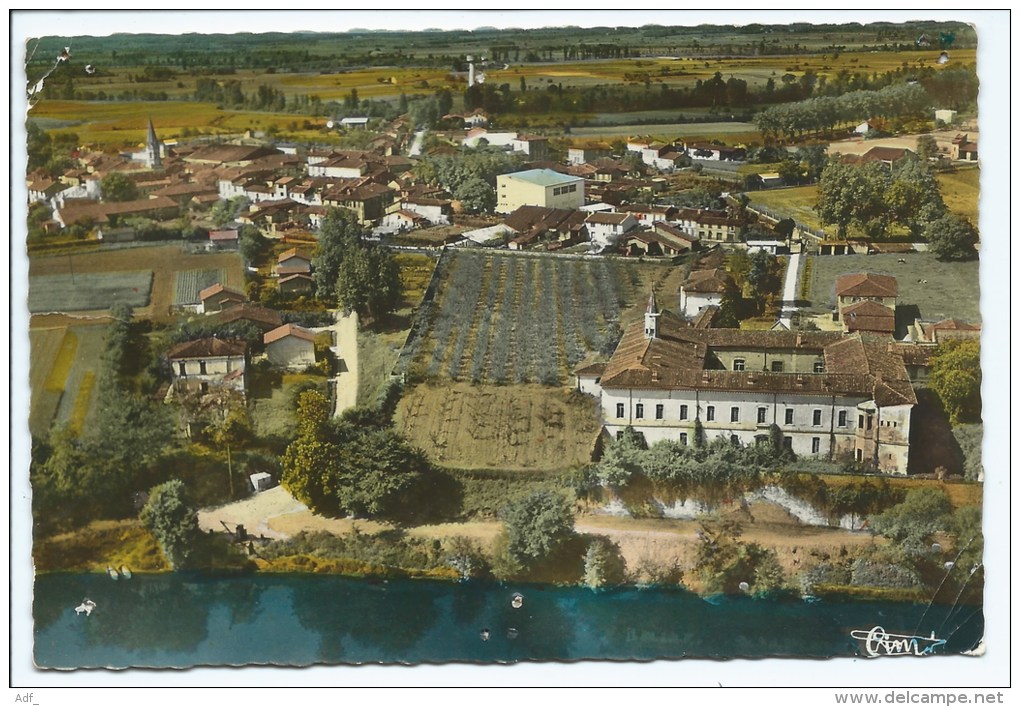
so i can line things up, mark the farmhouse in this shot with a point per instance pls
(964, 149)
(538, 187)
(226, 239)
(583, 155)
(716, 153)
(293, 262)
(290, 346)
(865, 286)
(296, 284)
(201, 365)
(607, 227)
(828, 393)
(885, 155)
(216, 298)
(709, 225)
(703, 288)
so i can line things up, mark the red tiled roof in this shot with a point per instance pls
(217, 289)
(866, 284)
(200, 348)
(288, 330)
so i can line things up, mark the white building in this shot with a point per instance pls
(828, 393)
(290, 346)
(204, 364)
(703, 288)
(538, 187)
(606, 228)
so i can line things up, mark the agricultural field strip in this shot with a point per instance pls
(481, 349)
(501, 334)
(86, 291)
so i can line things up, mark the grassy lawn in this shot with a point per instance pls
(960, 191)
(271, 395)
(951, 290)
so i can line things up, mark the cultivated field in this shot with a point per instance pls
(952, 289)
(188, 283)
(164, 261)
(961, 191)
(505, 427)
(62, 375)
(75, 292)
(507, 318)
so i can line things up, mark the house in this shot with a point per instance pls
(296, 284)
(229, 155)
(265, 319)
(585, 155)
(293, 262)
(828, 393)
(945, 330)
(885, 155)
(715, 153)
(709, 226)
(868, 316)
(770, 180)
(369, 201)
(963, 149)
(530, 223)
(606, 227)
(649, 242)
(218, 297)
(42, 190)
(647, 214)
(534, 146)
(863, 129)
(290, 346)
(704, 288)
(204, 364)
(84, 211)
(675, 237)
(224, 239)
(948, 117)
(865, 286)
(403, 220)
(480, 136)
(435, 211)
(538, 187)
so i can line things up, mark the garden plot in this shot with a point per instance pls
(503, 318)
(88, 291)
(188, 283)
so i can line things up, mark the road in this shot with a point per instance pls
(790, 290)
(346, 351)
(419, 138)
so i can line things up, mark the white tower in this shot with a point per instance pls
(652, 318)
(471, 70)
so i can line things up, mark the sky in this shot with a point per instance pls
(993, 67)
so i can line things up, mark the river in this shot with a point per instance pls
(179, 621)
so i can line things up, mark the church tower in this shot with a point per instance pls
(652, 318)
(153, 156)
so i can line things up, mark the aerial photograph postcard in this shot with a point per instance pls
(657, 340)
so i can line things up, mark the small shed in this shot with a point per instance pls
(261, 481)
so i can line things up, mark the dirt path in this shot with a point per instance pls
(346, 350)
(255, 513)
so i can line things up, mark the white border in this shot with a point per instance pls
(991, 669)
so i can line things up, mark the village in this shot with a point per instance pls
(525, 308)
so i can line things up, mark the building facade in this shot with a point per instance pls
(829, 393)
(538, 187)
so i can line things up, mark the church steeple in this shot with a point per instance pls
(652, 318)
(153, 156)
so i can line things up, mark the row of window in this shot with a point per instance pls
(776, 366)
(660, 412)
(564, 190)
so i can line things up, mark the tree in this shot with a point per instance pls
(603, 564)
(251, 243)
(232, 430)
(117, 187)
(851, 194)
(475, 195)
(927, 148)
(914, 196)
(339, 468)
(338, 235)
(724, 562)
(911, 524)
(368, 281)
(536, 525)
(763, 277)
(622, 459)
(170, 517)
(956, 379)
(952, 237)
(730, 306)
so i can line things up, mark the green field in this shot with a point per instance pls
(62, 376)
(961, 191)
(88, 291)
(952, 289)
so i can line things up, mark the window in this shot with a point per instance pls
(871, 421)
(816, 444)
(572, 187)
(734, 414)
(789, 416)
(860, 455)
(841, 418)
(819, 366)
(777, 366)
(738, 364)
(660, 412)
(762, 412)
(619, 410)
(710, 413)
(201, 368)
(639, 411)
(816, 418)
(788, 442)
(204, 387)
(683, 438)
(181, 370)
(683, 412)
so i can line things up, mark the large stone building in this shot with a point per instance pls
(204, 364)
(829, 393)
(538, 187)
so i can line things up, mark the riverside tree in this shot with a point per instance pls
(171, 519)
(537, 525)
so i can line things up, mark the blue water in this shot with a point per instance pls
(180, 621)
